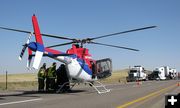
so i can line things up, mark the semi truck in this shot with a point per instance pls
(136, 73)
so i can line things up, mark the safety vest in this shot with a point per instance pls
(52, 72)
(41, 73)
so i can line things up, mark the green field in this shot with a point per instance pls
(29, 80)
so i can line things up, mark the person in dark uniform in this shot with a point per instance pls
(93, 67)
(41, 78)
(62, 78)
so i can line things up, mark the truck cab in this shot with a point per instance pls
(159, 74)
(136, 73)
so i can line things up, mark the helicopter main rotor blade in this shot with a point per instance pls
(58, 37)
(112, 34)
(17, 30)
(60, 44)
(47, 35)
(97, 43)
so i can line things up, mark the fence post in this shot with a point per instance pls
(6, 79)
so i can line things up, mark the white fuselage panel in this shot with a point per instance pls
(74, 69)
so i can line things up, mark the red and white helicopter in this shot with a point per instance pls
(80, 66)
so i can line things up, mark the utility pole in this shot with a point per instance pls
(6, 79)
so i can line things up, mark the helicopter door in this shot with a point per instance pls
(103, 68)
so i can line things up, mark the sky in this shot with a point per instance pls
(90, 18)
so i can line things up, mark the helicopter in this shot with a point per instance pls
(80, 66)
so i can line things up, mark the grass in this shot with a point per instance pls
(19, 77)
(27, 85)
(118, 76)
(19, 81)
(29, 80)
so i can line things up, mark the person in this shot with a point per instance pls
(41, 78)
(62, 78)
(93, 67)
(51, 76)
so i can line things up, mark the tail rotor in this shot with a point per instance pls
(29, 58)
(24, 47)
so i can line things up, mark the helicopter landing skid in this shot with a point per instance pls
(100, 88)
(61, 87)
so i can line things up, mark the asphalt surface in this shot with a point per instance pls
(149, 94)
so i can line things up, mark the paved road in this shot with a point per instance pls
(149, 94)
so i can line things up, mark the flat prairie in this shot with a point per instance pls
(27, 81)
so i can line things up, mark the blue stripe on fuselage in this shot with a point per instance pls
(84, 66)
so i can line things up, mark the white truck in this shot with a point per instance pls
(163, 73)
(136, 73)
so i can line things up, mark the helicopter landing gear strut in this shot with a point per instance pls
(99, 87)
(67, 86)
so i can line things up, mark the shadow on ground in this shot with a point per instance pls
(37, 93)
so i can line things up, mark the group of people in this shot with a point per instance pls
(50, 79)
